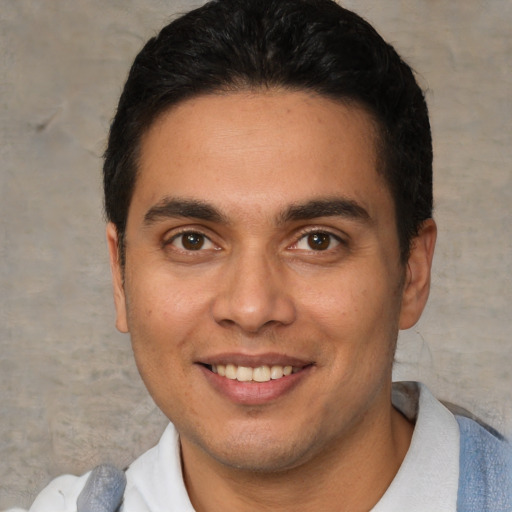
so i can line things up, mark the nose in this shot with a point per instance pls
(253, 294)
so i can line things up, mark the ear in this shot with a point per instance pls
(417, 275)
(117, 278)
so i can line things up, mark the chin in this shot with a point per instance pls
(264, 461)
(263, 450)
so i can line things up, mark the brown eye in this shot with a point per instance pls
(319, 241)
(192, 241)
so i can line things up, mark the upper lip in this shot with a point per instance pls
(254, 360)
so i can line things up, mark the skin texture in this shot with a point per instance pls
(232, 170)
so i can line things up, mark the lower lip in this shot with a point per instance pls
(254, 393)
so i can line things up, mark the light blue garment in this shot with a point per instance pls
(103, 491)
(485, 477)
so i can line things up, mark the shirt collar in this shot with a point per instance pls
(428, 478)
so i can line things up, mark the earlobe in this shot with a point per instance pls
(117, 278)
(417, 279)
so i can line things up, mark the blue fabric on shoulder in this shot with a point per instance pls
(103, 491)
(485, 480)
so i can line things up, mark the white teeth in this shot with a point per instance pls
(263, 373)
(276, 372)
(231, 371)
(244, 374)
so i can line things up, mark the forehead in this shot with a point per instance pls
(260, 148)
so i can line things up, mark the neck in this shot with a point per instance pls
(351, 475)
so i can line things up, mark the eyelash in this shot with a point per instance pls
(339, 241)
(182, 233)
(319, 231)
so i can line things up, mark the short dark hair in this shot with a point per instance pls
(310, 45)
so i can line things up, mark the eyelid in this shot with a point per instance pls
(319, 229)
(173, 235)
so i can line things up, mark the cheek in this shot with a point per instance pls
(163, 318)
(356, 320)
(163, 302)
(346, 302)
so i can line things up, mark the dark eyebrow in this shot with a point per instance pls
(189, 208)
(337, 207)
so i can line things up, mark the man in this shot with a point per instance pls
(268, 186)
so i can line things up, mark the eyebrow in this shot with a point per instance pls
(190, 208)
(336, 207)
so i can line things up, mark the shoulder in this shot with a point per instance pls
(99, 490)
(485, 468)
(60, 495)
(152, 482)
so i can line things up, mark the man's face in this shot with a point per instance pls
(261, 239)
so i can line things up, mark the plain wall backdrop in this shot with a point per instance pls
(70, 393)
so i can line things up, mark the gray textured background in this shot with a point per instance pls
(70, 395)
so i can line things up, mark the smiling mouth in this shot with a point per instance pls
(264, 373)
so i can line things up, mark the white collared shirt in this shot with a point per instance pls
(428, 478)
